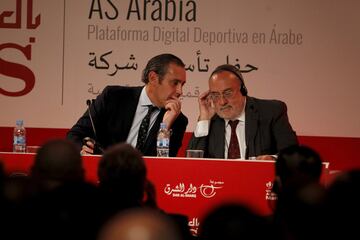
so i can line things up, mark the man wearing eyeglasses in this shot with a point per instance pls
(234, 125)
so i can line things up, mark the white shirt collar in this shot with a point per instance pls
(144, 99)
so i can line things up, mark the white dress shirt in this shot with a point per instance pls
(202, 130)
(141, 111)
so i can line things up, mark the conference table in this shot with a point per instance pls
(190, 186)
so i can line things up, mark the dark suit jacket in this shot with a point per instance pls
(113, 112)
(267, 130)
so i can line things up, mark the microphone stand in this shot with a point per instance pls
(97, 146)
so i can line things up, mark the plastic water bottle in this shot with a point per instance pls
(19, 144)
(163, 141)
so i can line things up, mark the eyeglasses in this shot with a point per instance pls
(227, 94)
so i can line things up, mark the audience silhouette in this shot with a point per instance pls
(342, 206)
(56, 162)
(140, 224)
(122, 178)
(296, 166)
(233, 222)
(299, 209)
(61, 205)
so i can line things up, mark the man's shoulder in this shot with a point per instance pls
(113, 89)
(253, 102)
(267, 108)
(111, 93)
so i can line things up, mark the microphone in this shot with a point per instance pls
(97, 146)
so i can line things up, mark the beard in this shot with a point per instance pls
(226, 112)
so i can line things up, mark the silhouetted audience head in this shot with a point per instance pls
(299, 213)
(140, 224)
(297, 166)
(299, 208)
(57, 162)
(150, 195)
(343, 206)
(2, 177)
(233, 222)
(122, 171)
(16, 187)
(123, 184)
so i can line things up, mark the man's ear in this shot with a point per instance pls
(153, 77)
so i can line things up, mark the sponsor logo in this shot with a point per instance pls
(205, 190)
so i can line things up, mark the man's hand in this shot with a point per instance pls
(206, 106)
(265, 157)
(173, 109)
(88, 146)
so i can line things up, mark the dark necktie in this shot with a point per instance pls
(144, 127)
(234, 149)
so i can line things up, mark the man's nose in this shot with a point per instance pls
(223, 100)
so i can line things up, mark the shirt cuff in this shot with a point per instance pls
(202, 128)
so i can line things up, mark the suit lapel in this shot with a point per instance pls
(217, 139)
(128, 113)
(251, 126)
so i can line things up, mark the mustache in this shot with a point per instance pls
(225, 107)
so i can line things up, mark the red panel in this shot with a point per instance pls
(35, 136)
(341, 152)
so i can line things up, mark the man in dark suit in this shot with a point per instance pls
(118, 112)
(234, 125)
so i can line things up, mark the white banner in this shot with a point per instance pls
(56, 54)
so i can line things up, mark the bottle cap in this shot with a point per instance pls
(19, 122)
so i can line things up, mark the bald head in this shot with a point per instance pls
(140, 224)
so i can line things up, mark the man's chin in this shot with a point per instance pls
(226, 116)
(226, 113)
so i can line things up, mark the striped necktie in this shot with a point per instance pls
(144, 127)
